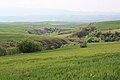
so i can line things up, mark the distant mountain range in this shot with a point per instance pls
(39, 15)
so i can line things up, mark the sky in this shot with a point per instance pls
(72, 5)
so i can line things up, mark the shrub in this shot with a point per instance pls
(57, 43)
(63, 41)
(52, 47)
(117, 39)
(12, 50)
(93, 39)
(44, 45)
(52, 43)
(47, 44)
(2, 51)
(27, 46)
(83, 44)
(110, 37)
(8, 43)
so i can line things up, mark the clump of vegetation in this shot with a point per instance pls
(110, 37)
(37, 31)
(8, 43)
(106, 37)
(2, 51)
(83, 44)
(49, 31)
(85, 31)
(93, 35)
(8, 48)
(52, 44)
(12, 51)
(27, 46)
(93, 39)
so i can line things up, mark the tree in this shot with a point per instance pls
(27, 46)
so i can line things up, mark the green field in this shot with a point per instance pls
(108, 24)
(100, 61)
(18, 31)
(24, 27)
(19, 36)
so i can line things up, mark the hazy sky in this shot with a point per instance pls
(74, 5)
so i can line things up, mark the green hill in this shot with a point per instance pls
(100, 61)
(26, 26)
(108, 24)
(4, 36)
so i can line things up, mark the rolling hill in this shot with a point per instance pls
(108, 24)
(100, 61)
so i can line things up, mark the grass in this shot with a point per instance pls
(59, 36)
(100, 61)
(108, 24)
(18, 31)
(19, 36)
(112, 30)
(26, 26)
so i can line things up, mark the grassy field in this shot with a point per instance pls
(108, 24)
(19, 36)
(18, 31)
(100, 61)
(112, 30)
(24, 27)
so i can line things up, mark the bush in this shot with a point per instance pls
(8, 44)
(28, 46)
(12, 50)
(2, 51)
(63, 41)
(52, 47)
(57, 43)
(47, 44)
(110, 37)
(93, 39)
(52, 44)
(83, 44)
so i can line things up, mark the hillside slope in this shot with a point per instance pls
(108, 24)
(100, 61)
